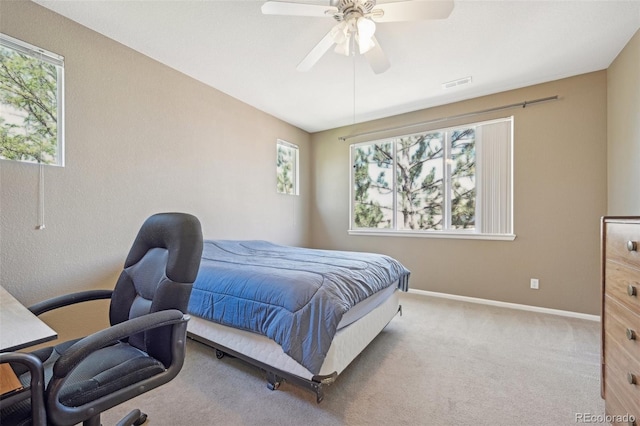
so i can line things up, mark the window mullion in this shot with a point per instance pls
(446, 184)
(394, 185)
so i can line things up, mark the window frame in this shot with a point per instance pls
(56, 60)
(447, 232)
(296, 166)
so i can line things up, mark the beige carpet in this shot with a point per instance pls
(443, 362)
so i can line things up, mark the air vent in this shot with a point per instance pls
(456, 83)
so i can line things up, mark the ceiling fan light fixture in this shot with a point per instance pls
(343, 48)
(341, 35)
(366, 28)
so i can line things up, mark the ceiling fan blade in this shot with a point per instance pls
(413, 10)
(316, 53)
(377, 59)
(297, 9)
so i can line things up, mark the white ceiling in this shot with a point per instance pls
(231, 46)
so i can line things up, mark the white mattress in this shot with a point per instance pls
(348, 342)
(367, 305)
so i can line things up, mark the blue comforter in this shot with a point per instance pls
(292, 295)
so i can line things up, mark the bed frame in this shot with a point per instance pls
(264, 353)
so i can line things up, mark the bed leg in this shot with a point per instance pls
(319, 394)
(273, 381)
(220, 354)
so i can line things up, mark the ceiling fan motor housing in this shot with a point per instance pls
(353, 8)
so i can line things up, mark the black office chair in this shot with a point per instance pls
(21, 407)
(145, 346)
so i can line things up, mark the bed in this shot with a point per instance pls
(302, 315)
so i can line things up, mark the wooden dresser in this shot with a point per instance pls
(621, 319)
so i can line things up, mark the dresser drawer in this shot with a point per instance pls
(623, 284)
(618, 390)
(618, 415)
(622, 243)
(622, 327)
(620, 368)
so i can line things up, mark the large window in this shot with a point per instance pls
(31, 103)
(287, 167)
(454, 182)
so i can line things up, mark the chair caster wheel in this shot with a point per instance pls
(135, 417)
(141, 419)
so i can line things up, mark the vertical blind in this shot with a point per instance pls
(494, 187)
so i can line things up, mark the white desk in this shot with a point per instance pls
(19, 328)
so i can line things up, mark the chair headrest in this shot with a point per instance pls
(180, 234)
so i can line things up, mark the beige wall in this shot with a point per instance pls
(140, 138)
(560, 193)
(623, 132)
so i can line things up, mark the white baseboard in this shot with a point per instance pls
(507, 305)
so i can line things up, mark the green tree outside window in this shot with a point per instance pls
(30, 104)
(434, 185)
(286, 168)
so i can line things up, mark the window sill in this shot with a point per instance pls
(434, 234)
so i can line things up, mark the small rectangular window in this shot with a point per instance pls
(287, 167)
(451, 182)
(31, 103)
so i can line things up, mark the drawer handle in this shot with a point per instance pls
(632, 290)
(631, 378)
(631, 335)
(632, 245)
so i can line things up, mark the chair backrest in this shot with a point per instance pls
(158, 274)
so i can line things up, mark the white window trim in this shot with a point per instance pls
(58, 61)
(461, 235)
(474, 234)
(296, 166)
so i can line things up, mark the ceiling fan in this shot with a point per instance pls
(357, 24)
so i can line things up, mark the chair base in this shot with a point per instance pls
(135, 418)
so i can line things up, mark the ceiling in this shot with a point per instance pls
(231, 46)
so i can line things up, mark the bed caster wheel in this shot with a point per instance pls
(273, 381)
(273, 386)
(219, 354)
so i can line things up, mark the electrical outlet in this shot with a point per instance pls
(535, 284)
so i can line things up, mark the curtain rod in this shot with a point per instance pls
(453, 117)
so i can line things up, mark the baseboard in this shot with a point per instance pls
(507, 305)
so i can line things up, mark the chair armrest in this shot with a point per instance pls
(36, 370)
(59, 413)
(84, 347)
(69, 299)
